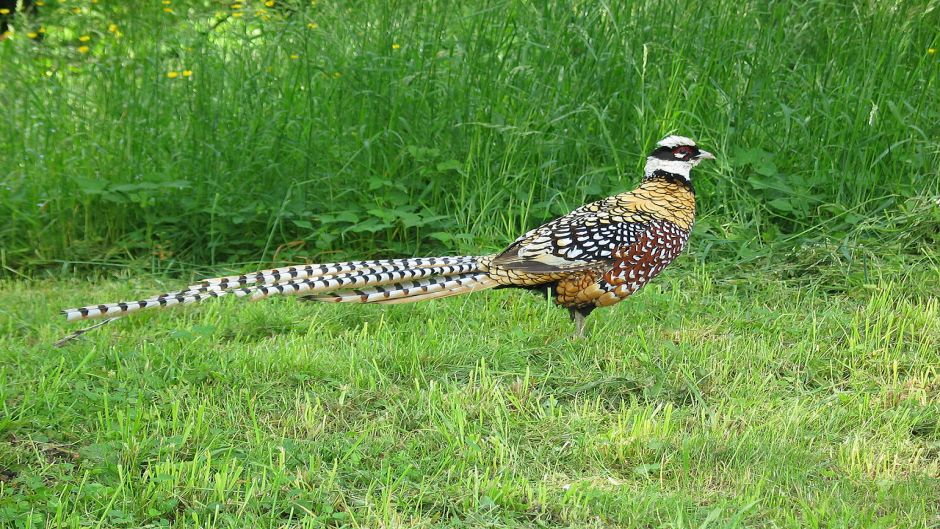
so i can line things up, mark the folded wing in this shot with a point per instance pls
(584, 239)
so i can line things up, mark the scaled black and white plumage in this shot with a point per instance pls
(595, 256)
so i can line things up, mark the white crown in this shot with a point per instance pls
(675, 141)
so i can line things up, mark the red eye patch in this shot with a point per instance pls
(682, 151)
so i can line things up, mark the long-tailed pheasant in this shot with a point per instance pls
(595, 256)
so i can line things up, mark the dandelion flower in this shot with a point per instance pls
(187, 73)
(167, 2)
(269, 3)
(313, 25)
(76, 10)
(84, 38)
(294, 56)
(236, 6)
(32, 35)
(167, 9)
(112, 28)
(83, 49)
(396, 46)
(42, 29)
(4, 11)
(172, 75)
(237, 14)
(931, 51)
(40, 3)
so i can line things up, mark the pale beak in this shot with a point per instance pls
(705, 155)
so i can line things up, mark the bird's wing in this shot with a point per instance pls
(585, 238)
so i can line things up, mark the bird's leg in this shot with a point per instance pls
(578, 317)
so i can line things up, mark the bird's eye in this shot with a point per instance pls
(682, 152)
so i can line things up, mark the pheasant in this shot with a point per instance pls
(595, 256)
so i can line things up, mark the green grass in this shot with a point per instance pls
(705, 401)
(783, 374)
(487, 119)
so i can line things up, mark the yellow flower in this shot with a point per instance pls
(237, 14)
(112, 28)
(313, 25)
(83, 49)
(84, 38)
(294, 56)
(76, 10)
(396, 45)
(32, 35)
(236, 6)
(167, 9)
(172, 75)
(931, 51)
(41, 29)
(269, 3)
(187, 73)
(4, 11)
(167, 2)
(40, 3)
(337, 75)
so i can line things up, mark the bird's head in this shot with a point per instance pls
(675, 155)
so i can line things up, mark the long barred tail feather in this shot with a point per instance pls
(410, 291)
(367, 277)
(288, 273)
(80, 332)
(123, 308)
(462, 285)
(407, 277)
(294, 273)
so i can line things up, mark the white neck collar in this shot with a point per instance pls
(676, 167)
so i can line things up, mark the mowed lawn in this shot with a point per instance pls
(782, 374)
(705, 401)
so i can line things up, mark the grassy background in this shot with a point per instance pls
(784, 374)
(422, 127)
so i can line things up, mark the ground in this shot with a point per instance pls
(782, 373)
(704, 401)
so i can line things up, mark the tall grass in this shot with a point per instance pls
(320, 128)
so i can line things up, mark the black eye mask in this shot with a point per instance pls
(682, 153)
